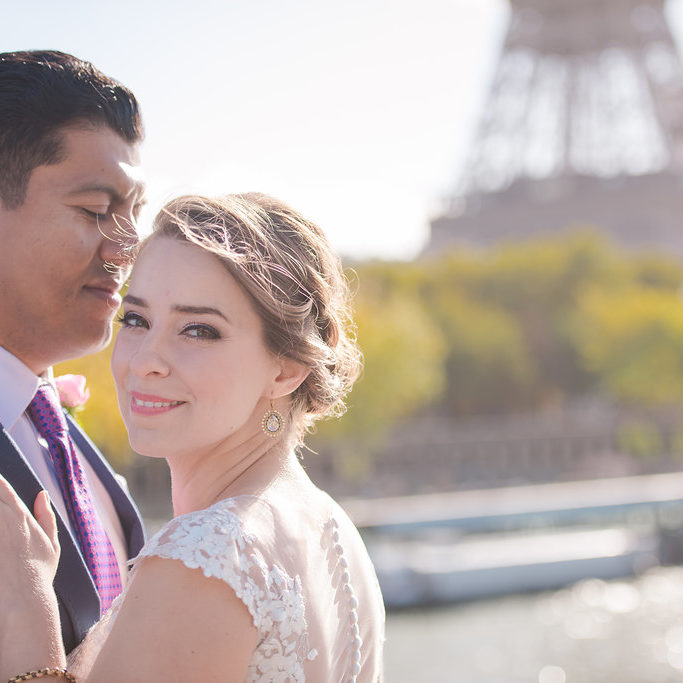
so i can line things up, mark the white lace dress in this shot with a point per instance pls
(303, 574)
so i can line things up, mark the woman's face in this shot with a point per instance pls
(190, 364)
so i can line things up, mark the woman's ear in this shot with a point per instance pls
(290, 377)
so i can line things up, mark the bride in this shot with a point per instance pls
(235, 339)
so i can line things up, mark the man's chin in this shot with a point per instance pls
(96, 341)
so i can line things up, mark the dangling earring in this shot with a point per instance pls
(273, 423)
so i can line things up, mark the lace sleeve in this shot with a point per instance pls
(215, 541)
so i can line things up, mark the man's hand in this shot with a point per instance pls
(30, 635)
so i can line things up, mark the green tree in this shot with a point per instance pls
(632, 340)
(403, 366)
(489, 368)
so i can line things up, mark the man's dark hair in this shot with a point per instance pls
(42, 91)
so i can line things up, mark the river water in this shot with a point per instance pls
(623, 631)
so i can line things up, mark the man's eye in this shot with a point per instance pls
(132, 320)
(201, 331)
(95, 215)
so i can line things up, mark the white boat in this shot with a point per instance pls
(424, 570)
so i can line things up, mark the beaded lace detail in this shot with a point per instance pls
(212, 540)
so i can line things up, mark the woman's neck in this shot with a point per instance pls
(227, 470)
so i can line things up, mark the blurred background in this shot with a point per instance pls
(505, 181)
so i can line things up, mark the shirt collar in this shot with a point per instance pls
(19, 385)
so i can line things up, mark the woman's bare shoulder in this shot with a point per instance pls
(175, 623)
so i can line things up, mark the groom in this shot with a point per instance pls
(70, 192)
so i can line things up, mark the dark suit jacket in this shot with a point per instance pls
(79, 603)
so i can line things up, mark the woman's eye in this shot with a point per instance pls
(130, 319)
(201, 332)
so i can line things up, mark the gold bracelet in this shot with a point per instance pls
(41, 673)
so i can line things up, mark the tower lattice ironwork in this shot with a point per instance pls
(583, 126)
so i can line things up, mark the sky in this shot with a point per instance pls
(358, 113)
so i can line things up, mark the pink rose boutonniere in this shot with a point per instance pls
(73, 393)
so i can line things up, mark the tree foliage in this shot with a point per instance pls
(520, 327)
(632, 340)
(404, 352)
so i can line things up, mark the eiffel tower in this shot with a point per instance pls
(583, 127)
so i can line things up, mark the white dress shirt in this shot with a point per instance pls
(19, 386)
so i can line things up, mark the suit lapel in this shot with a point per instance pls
(73, 585)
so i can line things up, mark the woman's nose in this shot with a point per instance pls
(148, 360)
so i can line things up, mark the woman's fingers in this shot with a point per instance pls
(39, 538)
(29, 611)
(9, 497)
(31, 536)
(45, 517)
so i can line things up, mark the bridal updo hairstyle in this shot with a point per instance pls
(295, 281)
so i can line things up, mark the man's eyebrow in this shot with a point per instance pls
(200, 310)
(111, 191)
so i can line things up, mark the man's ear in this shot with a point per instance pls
(290, 377)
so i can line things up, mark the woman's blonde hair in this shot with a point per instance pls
(295, 281)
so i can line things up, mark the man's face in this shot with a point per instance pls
(61, 257)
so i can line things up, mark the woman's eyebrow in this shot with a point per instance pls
(178, 308)
(200, 310)
(136, 301)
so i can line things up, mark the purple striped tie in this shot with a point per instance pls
(48, 417)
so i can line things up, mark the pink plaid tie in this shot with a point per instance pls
(48, 417)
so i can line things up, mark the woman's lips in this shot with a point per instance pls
(149, 404)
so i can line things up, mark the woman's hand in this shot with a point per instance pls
(30, 634)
